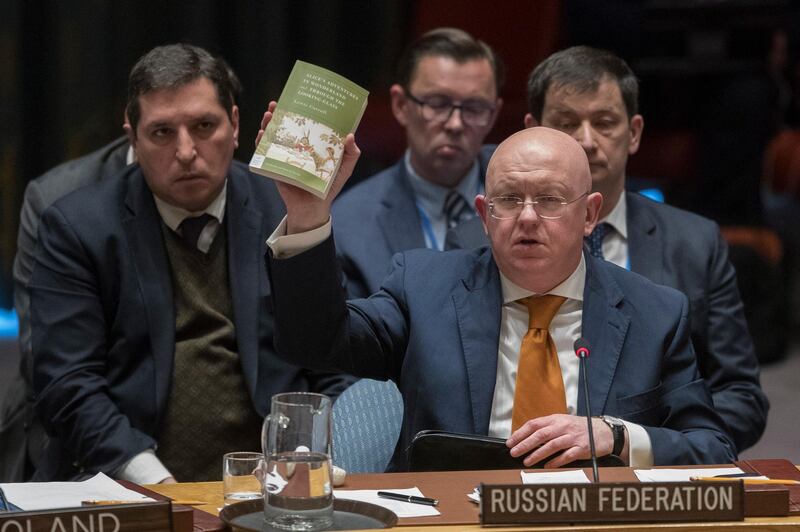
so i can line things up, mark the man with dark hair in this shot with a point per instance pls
(592, 95)
(447, 100)
(151, 328)
(19, 459)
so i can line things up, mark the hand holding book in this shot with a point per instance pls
(306, 211)
(306, 141)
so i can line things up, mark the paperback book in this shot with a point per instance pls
(304, 142)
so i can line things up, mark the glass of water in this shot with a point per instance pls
(297, 451)
(239, 480)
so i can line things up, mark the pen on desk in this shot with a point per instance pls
(408, 498)
(748, 481)
(106, 503)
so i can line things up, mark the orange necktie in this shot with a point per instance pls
(539, 390)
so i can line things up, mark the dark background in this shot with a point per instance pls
(717, 76)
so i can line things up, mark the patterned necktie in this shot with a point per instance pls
(539, 390)
(192, 227)
(456, 209)
(595, 240)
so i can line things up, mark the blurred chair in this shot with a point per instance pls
(366, 425)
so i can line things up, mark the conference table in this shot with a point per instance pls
(458, 513)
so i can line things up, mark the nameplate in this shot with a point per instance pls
(613, 502)
(146, 517)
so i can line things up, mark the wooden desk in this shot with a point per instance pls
(460, 514)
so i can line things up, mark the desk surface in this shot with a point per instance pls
(459, 513)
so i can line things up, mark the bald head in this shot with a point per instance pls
(538, 207)
(540, 147)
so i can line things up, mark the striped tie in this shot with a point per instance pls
(456, 209)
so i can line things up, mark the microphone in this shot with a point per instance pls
(581, 347)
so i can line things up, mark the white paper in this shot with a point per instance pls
(48, 495)
(402, 509)
(556, 477)
(682, 475)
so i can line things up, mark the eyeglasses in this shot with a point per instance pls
(546, 206)
(440, 109)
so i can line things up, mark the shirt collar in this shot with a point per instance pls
(130, 155)
(571, 287)
(617, 218)
(432, 196)
(173, 216)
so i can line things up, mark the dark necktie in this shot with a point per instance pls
(192, 227)
(595, 240)
(456, 209)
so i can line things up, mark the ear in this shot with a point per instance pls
(235, 124)
(129, 132)
(399, 104)
(637, 126)
(498, 105)
(482, 206)
(530, 121)
(593, 204)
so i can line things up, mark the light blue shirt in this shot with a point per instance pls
(429, 199)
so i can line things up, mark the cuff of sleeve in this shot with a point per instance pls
(640, 449)
(285, 246)
(144, 468)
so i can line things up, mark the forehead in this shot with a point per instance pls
(533, 170)
(191, 100)
(437, 73)
(568, 99)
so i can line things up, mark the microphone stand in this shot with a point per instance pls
(582, 352)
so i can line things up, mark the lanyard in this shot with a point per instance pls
(431, 241)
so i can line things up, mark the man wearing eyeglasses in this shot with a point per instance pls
(592, 95)
(447, 100)
(481, 341)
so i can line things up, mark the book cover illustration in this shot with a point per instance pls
(304, 142)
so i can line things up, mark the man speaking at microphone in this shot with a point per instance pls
(481, 341)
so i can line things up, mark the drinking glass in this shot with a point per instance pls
(239, 481)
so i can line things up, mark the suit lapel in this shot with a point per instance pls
(143, 231)
(604, 326)
(399, 220)
(645, 242)
(245, 262)
(478, 304)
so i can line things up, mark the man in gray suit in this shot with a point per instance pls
(592, 95)
(23, 437)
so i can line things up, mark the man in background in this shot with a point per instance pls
(592, 95)
(151, 328)
(447, 100)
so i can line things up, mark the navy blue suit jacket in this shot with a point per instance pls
(685, 251)
(103, 320)
(434, 327)
(376, 219)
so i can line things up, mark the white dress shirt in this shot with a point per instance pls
(615, 241)
(173, 216)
